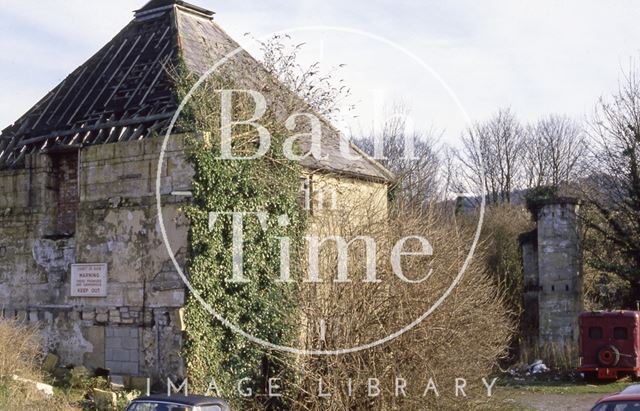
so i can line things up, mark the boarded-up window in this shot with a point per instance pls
(65, 173)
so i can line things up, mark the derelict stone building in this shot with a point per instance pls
(552, 262)
(81, 252)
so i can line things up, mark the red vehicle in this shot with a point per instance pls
(610, 344)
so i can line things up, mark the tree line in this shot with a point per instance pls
(595, 159)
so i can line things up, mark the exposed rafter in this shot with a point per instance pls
(126, 92)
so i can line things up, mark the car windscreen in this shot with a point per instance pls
(158, 406)
(632, 389)
(617, 406)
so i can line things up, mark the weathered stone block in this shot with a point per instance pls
(79, 376)
(129, 149)
(130, 344)
(115, 342)
(50, 363)
(117, 354)
(140, 384)
(88, 315)
(46, 389)
(133, 295)
(114, 316)
(96, 336)
(33, 316)
(117, 382)
(104, 400)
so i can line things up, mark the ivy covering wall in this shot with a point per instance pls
(261, 307)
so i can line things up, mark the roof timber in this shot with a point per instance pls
(125, 91)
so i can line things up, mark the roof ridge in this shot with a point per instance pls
(158, 5)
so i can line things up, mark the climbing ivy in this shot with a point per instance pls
(261, 307)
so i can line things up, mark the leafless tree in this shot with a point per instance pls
(320, 87)
(412, 156)
(493, 151)
(554, 152)
(614, 186)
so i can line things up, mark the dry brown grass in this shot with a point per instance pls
(20, 354)
(19, 349)
(559, 357)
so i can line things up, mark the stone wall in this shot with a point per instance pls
(114, 221)
(136, 328)
(337, 200)
(560, 271)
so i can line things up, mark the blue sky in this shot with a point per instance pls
(537, 57)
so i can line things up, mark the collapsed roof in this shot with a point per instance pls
(125, 91)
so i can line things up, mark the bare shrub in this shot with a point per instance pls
(464, 337)
(502, 227)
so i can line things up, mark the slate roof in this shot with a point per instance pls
(125, 91)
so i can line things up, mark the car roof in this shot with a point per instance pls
(192, 400)
(620, 397)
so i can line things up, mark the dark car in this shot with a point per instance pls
(618, 402)
(178, 403)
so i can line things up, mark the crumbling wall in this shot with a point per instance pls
(115, 222)
(136, 329)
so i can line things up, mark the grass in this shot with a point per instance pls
(502, 405)
(511, 395)
(566, 387)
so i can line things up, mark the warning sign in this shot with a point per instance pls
(88, 280)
